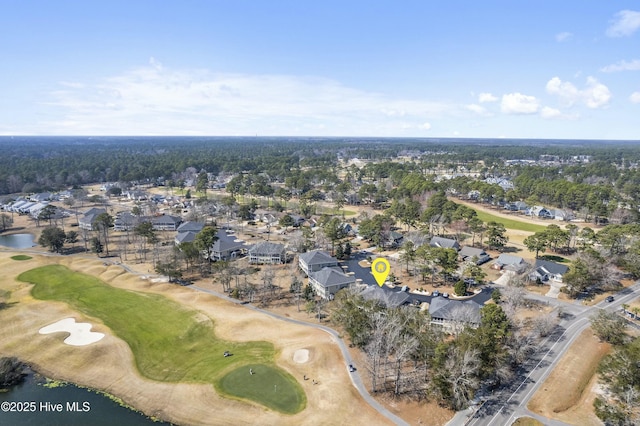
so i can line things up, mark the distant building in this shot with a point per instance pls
(454, 313)
(86, 221)
(313, 261)
(328, 281)
(267, 253)
(509, 262)
(390, 299)
(466, 254)
(546, 270)
(444, 243)
(166, 223)
(227, 246)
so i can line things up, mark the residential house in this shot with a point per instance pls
(467, 254)
(86, 221)
(24, 207)
(297, 220)
(15, 207)
(136, 195)
(546, 270)
(269, 219)
(43, 196)
(518, 206)
(166, 223)
(509, 262)
(327, 281)
(564, 215)
(444, 243)
(35, 209)
(190, 226)
(394, 239)
(227, 246)
(313, 261)
(267, 253)
(125, 221)
(454, 313)
(541, 212)
(185, 237)
(390, 299)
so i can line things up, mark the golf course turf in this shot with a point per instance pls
(21, 257)
(170, 342)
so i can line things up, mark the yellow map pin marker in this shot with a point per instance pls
(380, 269)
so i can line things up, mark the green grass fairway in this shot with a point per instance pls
(170, 342)
(267, 384)
(21, 257)
(510, 223)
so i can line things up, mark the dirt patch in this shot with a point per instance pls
(568, 393)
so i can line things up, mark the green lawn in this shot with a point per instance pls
(170, 343)
(267, 384)
(21, 257)
(510, 223)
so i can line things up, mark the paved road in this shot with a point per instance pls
(355, 377)
(503, 407)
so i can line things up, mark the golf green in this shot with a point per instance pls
(169, 341)
(265, 383)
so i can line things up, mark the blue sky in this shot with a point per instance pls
(486, 69)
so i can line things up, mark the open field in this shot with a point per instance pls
(568, 393)
(513, 224)
(170, 343)
(527, 421)
(110, 365)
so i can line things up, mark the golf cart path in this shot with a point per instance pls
(355, 377)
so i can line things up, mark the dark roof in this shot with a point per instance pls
(391, 299)
(551, 267)
(185, 237)
(447, 309)
(509, 259)
(332, 276)
(191, 226)
(166, 219)
(317, 257)
(444, 243)
(226, 242)
(472, 251)
(267, 248)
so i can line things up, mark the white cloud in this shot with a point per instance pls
(157, 100)
(517, 103)
(486, 97)
(565, 36)
(594, 95)
(635, 97)
(426, 126)
(622, 66)
(625, 23)
(549, 113)
(478, 109)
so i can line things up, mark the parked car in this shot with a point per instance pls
(445, 294)
(351, 368)
(435, 293)
(609, 299)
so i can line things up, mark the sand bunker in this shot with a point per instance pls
(301, 356)
(80, 334)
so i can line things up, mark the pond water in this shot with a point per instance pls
(17, 241)
(66, 405)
